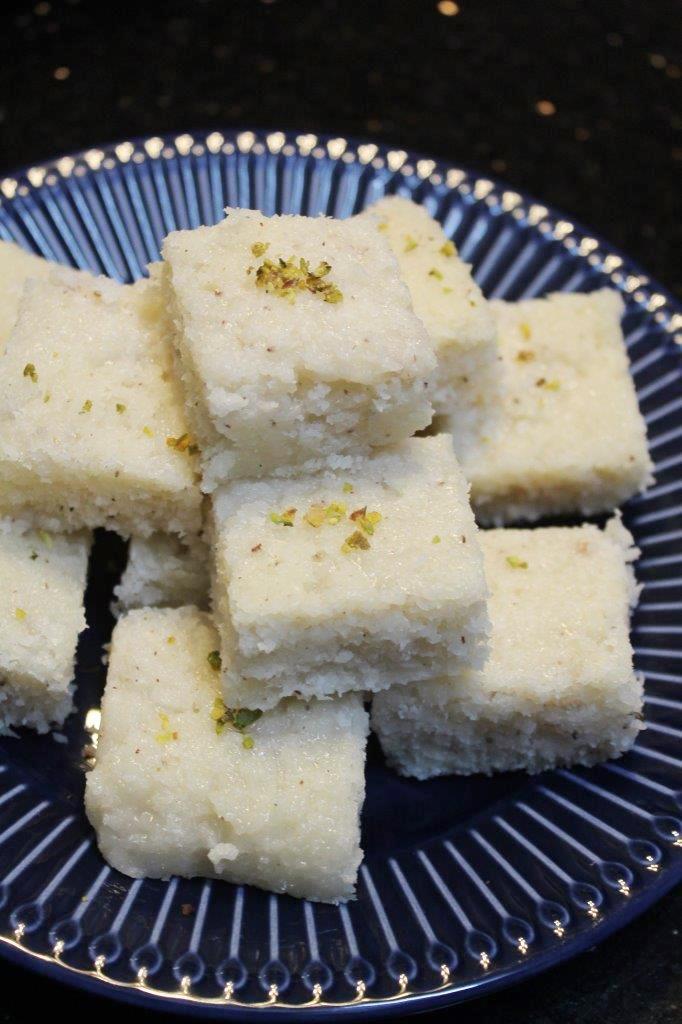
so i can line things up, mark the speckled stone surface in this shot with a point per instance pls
(575, 101)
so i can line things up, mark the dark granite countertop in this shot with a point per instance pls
(576, 101)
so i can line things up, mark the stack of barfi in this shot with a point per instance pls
(247, 416)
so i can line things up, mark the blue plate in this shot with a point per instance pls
(468, 884)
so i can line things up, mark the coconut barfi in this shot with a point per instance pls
(559, 686)
(450, 304)
(162, 571)
(566, 435)
(187, 785)
(297, 342)
(41, 615)
(348, 581)
(92, 425)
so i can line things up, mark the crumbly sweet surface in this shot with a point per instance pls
(449, 302)
(87, 404)
(162, 571)
(41, 615)
(284, 366)
(569, 436)
(16, 267)
(275, 805)
(559, 686)
(377, 579)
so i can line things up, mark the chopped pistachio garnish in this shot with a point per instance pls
(285, 519)
(181, 444)
(46, 397)
(46, 538)
(525, 355)
(120, 407)
(30, 371)
(448, 248)
(285, 278)
(435, 539)
(247, 742)
(447, 291)
(410, 243)
(20, 614)
(550, 385)
(238, 718)
(514, 562)
(167, 734)
(214, 660)
(170, 639)
(33, 556)
(335, 512)
(356, 541)
(435, 272)
(242, 718)
(148, 431)
(87, 406)
(260, 248)
(316, 515)
(525, 330)
(347, 488)
(366, 520)
(382, 225)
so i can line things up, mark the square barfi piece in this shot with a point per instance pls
(297, 342)
(41, 615)
(184, 785)
(339, 582)
(92, 424)
(566, 436)
(450, 304)
(164, 572)
(559, 686)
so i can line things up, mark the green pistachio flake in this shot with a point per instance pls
(30, 371)
(214, 660)
(347, 488)
(435, 272)
(260, 248)
(448, 248)
(356, 542)
(180, 444)
(365, 520)
(120, 407)
(237, 718)
(46, 538)
(86, 407)
(516, 563)
(410, 243)
(435, 540)
(33, 556)
(285, 278)
(285, 518)
(242, 718)
(167, 734)
(20, 614)
(247, 742)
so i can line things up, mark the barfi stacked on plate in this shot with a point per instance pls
(343, 554)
